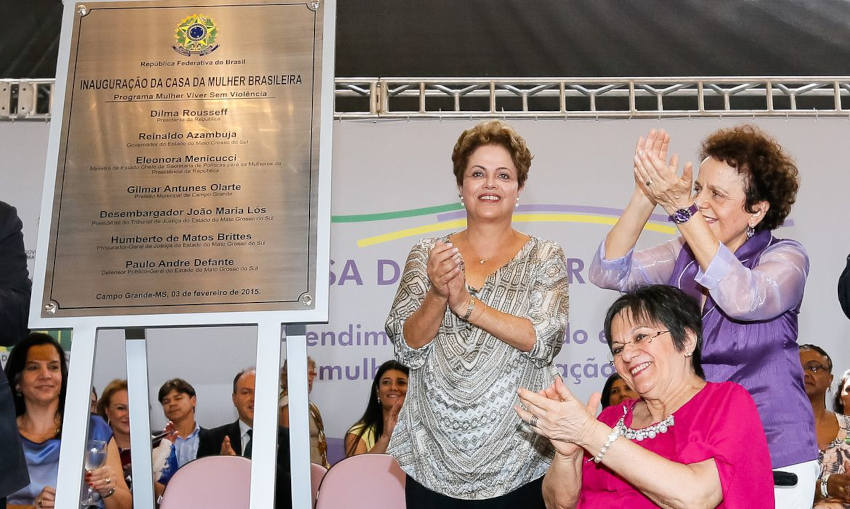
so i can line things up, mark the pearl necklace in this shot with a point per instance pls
(647, 432)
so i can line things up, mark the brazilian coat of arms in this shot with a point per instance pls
(196, 36)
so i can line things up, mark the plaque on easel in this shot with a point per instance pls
(188, 162)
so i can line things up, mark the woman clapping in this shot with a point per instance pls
(683, 443)
(478, 314)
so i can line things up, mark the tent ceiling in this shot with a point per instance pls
(486, 38)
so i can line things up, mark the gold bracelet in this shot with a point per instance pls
(109, 493)
(469, 307)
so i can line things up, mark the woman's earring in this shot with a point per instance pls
(750, 231)
(378, 398)
(461, 197)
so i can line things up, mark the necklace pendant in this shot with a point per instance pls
(482, 261)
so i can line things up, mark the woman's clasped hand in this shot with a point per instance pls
(557, 415)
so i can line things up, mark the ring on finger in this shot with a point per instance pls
(533, 421)
(648, 183)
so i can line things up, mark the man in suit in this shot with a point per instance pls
(236, 438)
(15, 287)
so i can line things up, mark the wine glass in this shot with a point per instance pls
(95, 458)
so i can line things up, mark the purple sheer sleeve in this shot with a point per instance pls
(653, 265)
(772, 287)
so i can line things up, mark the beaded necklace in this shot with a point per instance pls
(643, 433)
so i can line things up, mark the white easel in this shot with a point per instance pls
(271, 327)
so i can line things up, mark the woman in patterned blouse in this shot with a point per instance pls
(833, 486)
(478, 314)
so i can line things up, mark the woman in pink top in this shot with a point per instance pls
(684, 443)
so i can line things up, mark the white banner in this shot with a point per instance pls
(393, 184)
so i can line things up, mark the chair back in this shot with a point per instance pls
(317, 473)
(213, 482)
(365, 481)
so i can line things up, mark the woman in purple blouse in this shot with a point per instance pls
(749, 284)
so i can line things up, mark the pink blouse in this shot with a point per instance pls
(719, 422)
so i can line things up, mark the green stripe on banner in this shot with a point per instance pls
(362, 218)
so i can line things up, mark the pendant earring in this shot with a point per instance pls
(750, 231)
(378, 398)
(461, 198)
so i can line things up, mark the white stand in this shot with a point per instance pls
(76, 419)
(140, 421)
(266, 411)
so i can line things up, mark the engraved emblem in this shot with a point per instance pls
(196, 36)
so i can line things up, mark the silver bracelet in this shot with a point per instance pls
(824, 489)
(615, 433)
(470, 305)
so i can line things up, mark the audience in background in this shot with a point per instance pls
(371, 434)
(841, 402)
(236, 438)
(178, 400)
(38, 373)
(833, 486)
(318, 441)
(616, 390)
(93, 401)
(115, 408)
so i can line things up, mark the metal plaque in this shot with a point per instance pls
(188, 161)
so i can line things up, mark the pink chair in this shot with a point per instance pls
(317, 473)
(214, 482)
(365, 481)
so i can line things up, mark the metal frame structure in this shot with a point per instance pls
(370, 98)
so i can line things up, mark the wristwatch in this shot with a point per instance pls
(682, 215)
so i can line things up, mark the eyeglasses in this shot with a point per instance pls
(814, 367)
(637, 340)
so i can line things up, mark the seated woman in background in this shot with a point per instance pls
(841, 403)
(685, 443)
(833, 486)
(38, 373)
(616, 391)
(318, 441)
(115, 408)
(371, 434)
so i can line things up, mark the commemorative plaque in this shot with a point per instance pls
(187, 170)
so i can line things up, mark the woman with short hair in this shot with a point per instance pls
(684, 443)
(114, 406)
(478, 313)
